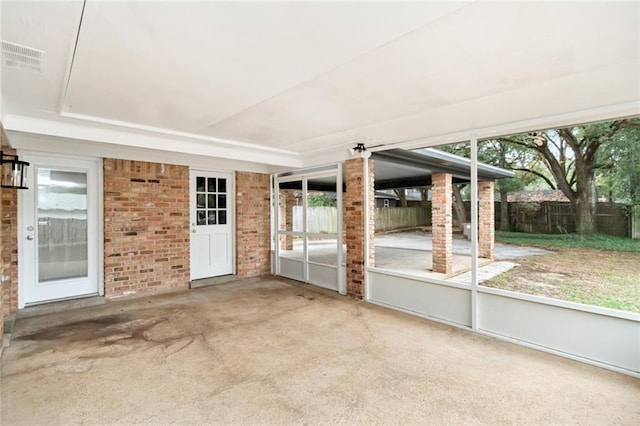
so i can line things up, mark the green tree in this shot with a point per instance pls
(571, 157)
(618, 176)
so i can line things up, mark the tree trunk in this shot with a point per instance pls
(424, 196)
(402, 197)
(505, 224)
(586, 204)
(585, 218)
(458, 206)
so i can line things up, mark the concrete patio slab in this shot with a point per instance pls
(422, 241)
(410, 253)
(272, 351)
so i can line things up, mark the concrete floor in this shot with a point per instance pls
(272, 351)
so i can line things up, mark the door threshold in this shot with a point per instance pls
(205, 282)
(59, 305)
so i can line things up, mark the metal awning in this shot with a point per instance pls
(399, 168)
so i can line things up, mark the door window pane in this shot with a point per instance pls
(222, 217)
(200, 201)
(222, 201)
(202, 217)
(222, 185)
(200, 184)
(211, 201)
(62, 225)
(212, 217)
(211, 184)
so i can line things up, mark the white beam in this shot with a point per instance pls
(474, 233)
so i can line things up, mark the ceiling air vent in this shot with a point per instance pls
(22, 57)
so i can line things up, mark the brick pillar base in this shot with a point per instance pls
(356, 225)
(486, 220)
(442, 223)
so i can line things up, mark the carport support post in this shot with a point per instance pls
(359, 223)
(441, 223)
(287, 201)
(486, 230)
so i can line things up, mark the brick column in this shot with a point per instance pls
(9, 242)
(287, 202)
(486, 220)
(1, 263)
(441, 223)
(253, 246)
(355, 202)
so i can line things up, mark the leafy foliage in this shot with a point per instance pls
(579, 160)
(320, 200)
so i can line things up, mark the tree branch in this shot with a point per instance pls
(540, 175)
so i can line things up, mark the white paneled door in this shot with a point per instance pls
(59, 229)
(211, 224)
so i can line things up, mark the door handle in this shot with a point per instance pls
(30, 237)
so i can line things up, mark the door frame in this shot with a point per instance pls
(303, 176)
(232, 202)
(99, 202)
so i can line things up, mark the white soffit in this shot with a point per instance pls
(188, 66)
(488, 64)
(50, 27)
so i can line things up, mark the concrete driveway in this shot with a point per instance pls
(272, 351)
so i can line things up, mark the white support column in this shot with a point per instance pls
(305, 230)
(275, 218)
(342, 286)
(474, 232)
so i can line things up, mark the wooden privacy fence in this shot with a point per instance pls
(558, 218)
(389, 218)
(321, 220)
(544, 218)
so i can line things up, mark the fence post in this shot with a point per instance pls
(547, 208)
(635, 222)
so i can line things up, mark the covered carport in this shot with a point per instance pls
(398, 168)
(257, 89)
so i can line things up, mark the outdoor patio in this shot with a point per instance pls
(410, 253)
(273, 351)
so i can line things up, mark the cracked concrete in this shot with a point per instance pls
(272, 351)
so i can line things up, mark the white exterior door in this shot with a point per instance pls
(211, 198)
(58, 230)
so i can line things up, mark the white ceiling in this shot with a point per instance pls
(293, 84)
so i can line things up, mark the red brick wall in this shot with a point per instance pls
(355, 226)
(2, 298)
(253, 212)
(9, 237)
(486, 220)
(441, 222)
(146, 227)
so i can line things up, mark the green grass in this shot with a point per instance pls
(597, 241)
(609, 295)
